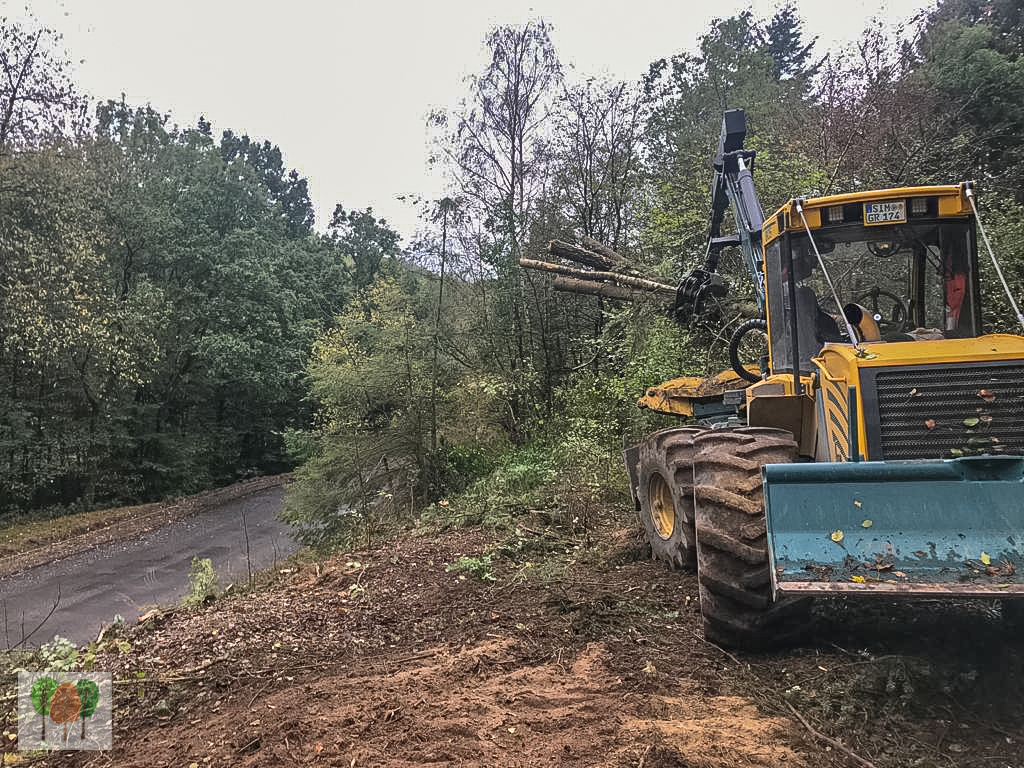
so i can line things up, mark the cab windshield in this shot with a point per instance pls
(913, 281)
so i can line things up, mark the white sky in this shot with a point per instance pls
(343, 87)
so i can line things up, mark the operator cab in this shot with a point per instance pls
(898, 265)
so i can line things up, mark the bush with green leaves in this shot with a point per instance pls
(58, 655)
(371, 453)
(202, 581)
(596, 418)
(515, 486)
(451, 469)
(477, 567)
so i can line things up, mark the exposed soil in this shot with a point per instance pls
(574, 655)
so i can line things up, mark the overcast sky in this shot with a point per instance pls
(343, 87)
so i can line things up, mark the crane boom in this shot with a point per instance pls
(733, 186)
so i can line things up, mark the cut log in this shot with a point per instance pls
(591, 288)
(638, 283)
(598, 247)
(580, 255)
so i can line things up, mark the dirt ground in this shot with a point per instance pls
(548, 649)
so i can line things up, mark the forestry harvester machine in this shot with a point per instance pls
(877, 449)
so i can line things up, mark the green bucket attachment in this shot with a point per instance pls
(943, 528)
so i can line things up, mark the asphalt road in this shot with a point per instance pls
(128, 578)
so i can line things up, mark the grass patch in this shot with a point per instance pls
(28, 532)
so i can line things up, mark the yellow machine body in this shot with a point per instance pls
(882, 437)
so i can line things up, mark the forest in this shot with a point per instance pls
(173, 318)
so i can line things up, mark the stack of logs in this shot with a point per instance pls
(609, 274)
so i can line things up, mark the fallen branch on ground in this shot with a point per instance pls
(828, 739)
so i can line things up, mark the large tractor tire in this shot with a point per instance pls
(732, 543)
(665, 492)
(1013, 612)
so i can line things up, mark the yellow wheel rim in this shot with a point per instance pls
(663, 513)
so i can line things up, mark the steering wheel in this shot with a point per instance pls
(888, 309)
(883, 249)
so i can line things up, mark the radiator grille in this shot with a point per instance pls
(950, 410)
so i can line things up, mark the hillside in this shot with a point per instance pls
(468, 648)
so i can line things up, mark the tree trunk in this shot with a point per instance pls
(580, 255)
(639, 283)
(598, 247)
(592, 288)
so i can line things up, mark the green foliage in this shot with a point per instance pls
(515, 485)
(58, 655)
(477, 567)
(1004, 224)
(644, 349)
(154, 340)
(451, 469)
(367, 242)
(300, 444)
(762, 66)
(286, 188)
(972, 63)
(203, 584)
(368, 373)
(587, 438)
(397, 423)
(791, 54)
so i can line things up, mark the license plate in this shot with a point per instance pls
(891, 212)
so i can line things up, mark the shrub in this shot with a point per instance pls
(202, 580)
(477, 567)
(513, 487)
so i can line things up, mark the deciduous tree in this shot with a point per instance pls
(38, 99)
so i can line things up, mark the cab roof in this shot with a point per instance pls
(943, 200)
